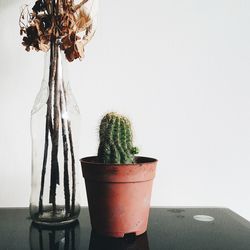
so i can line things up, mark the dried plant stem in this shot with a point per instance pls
(73, 168)
(65, 153)
(54, 173)
(56, 106)
(59, 99)
(48, 127)
(72, 160)
(54, 177)
(57, 91)
(79, 5)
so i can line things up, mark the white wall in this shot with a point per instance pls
(178, 68)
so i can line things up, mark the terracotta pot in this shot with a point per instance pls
(119, 195)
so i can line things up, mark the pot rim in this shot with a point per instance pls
(139, 160)
(142, 170)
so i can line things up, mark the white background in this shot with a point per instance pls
(178, 68)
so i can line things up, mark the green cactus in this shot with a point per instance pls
(116, 140)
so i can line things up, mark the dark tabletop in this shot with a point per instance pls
(169, 229)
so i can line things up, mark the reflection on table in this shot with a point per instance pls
(66, 237)
(130, 242)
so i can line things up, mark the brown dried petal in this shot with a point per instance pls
(32, 32)
(83, 20)
(71, 54)
(69, 40)
(45, 23)
(22, 31)
(40, 5)
(44, 47)
(80, 48)
(66, 43)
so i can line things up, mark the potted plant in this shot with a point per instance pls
(118, 184)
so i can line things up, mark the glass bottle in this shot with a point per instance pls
(55, 121)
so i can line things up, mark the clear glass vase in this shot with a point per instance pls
(55, 121)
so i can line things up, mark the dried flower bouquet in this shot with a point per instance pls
(57, 25)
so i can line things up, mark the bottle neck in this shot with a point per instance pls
(55, 67)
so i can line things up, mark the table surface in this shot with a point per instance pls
(168, 229)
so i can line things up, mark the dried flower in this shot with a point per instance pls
(60, 20)
(39, 6)
(31, 38)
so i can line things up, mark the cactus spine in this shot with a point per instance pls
(116, 140)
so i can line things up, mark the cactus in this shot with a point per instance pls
(116, 146)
